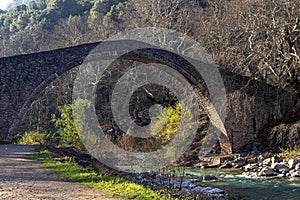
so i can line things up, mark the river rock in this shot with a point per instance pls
(292, 162)
(239, 162)
(284, 170)
(188, 185)
(297, 167)
(295, 174)
(226, 165)
(197, 189)
(251, 167)
(209, 177)
(212, 191)
(274, 160)
(267, 171)
(252, 160)
(267, 162)
(260, 158)
(277, 166)
(281, 175)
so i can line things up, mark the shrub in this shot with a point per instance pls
(34, 138)
(168, 123)
(66, 125)
(163, 128)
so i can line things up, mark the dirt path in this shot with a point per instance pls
(24, 179)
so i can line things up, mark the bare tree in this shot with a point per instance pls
(70, 31)
(172, 14)
(253, 37)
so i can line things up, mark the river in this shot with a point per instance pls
(247, 185)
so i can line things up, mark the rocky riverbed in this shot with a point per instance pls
(187, 188)
(263, 166)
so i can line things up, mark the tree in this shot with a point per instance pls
(71, 31)
(259, 39)
(172, 14)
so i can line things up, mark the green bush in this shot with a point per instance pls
(34, 138)
(168, 122)
(66, 125)
(163, 128)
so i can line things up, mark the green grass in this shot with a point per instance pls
(111, 185)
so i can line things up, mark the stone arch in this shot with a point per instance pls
(149, 55)
(253, 106)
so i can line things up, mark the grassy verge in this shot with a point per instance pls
(112, 185)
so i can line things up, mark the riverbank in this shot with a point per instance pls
(260, 176)
(284, 164)
(161, 185)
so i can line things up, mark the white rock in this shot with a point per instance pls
(216, 191)
(267, 162)
(293, 162)
(274, 159)
(280, 167)
(277, 166)
(267, 171)
(296, 174)
(188, 185)
(197, 189)
(281, 175)
(284, 170)
(250, 167)
(297, 167)
(176, 184)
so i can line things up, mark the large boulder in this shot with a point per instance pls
(267, 171)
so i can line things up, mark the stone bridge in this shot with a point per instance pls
(252, 105)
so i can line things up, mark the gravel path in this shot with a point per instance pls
(23, 179)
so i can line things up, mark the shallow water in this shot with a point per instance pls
(248, 185)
